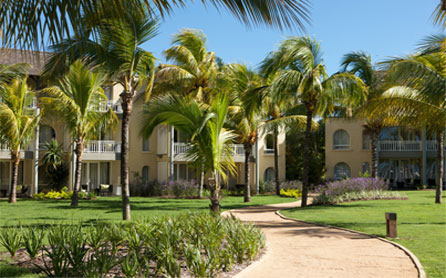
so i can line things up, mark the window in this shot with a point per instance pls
(341, 140)
(180, 171)
(365, 168)
(145, 173)
(145, 145)
(365, 141)
(47, 133)
(269, 143)
(342, 171)
(269, 174)
(108, 92)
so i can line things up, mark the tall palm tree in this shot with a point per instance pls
(245, 86)
(300, 74)
(419, 96)
(116, 49)
(439, 14)
(360, 64)
(18, 123)
(210, 141)
(193, 71)
(76, 99)
(33, 23)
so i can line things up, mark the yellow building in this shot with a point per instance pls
(160, 158)
(406, 157)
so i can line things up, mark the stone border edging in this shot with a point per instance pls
(416, 262)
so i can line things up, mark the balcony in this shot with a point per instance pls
(399, 146)
(180, 150)
(106, 106)
(102, 150)
(6, 154)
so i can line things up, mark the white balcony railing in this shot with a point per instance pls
(4, 148)
(400, 146)
(100, 146)
(106, 106)
(183, 148)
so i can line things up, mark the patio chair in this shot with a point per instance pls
(23, 190)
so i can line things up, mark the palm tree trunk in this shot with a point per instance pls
(214, 186)
(127, 105)
(200, 185)
(15, 160)
(247, 174)
(77, 176)
(306, 159)
(276, 159)
(438, 193)
(374, 150)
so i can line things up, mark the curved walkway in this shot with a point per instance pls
(298, 249)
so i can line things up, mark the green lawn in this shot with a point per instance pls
(27, 211)
(421, 224)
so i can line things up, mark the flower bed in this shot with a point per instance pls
(194, 245)
(63, 194)
(354, 189)
(177, 188)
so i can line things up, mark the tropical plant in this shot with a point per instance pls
(360, 64)
(76, 98)
(33, 23)
(55, 166)
(11, 239)
(11, 72)
(244, 86)
(418, 97)
(300, 75)
(194, 70)
(19, 121)
(116, 49)
(439, 14)
(204, 124)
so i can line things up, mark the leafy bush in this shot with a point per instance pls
(11, 239)
(294, 193)
(199, 244)
(354, 189)
(270, 186)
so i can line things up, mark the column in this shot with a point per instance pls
(36, 158)
(424, 159)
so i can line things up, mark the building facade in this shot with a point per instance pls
(406, 157)
(161, 157)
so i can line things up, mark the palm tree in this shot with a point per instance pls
(115, 48)
(439, 14)
(245, 87)
(33, 23)
(301, 75)
(419, 96)
(55, 166)
(76, 98)
(193, 71)
(11, 72)
(360, 64)
(210, 141)
(18, 123)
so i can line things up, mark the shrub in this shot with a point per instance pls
(294, 193)
(63, 194)
(354, 189)
(32, 240)
(172, 188)
(11, 239)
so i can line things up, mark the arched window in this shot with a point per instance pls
(46, 134)
(145, 173)
(341, 140)
(269, 143)
(342, 171)
(269, 174)
(366, 142)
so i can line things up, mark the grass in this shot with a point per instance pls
(421, 224)
(47, 212)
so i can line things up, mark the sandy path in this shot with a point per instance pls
(298, 249)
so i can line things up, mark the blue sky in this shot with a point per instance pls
(383, 28)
